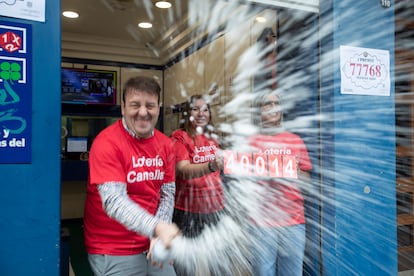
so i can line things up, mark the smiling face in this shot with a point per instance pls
(271, 111)
(140, 110)
(199, 114)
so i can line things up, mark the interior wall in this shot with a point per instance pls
(212, 70)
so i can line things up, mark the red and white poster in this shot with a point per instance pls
(365, 71)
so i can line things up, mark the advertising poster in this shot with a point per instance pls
(15, 93)
(365, 71)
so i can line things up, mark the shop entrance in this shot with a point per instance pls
(298, 54)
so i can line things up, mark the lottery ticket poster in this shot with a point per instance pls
(365, 71)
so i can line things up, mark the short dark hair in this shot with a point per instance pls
(146, 84)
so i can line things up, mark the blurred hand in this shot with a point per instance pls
(150, 254)
(166, 232)
(218, 161)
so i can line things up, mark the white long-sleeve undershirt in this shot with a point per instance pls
(119, 206)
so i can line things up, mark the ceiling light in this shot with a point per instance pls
(145, 25)
(260, 19)
(163, 4)
(70, 14)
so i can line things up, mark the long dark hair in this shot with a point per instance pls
(186, 124)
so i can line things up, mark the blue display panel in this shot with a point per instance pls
(86, 86)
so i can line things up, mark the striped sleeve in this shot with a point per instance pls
(119, 206)
(166, 206)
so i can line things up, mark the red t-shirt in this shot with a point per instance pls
(202, 194)
(144, 165)
(283, 201)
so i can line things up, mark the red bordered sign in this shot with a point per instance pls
(259, 164)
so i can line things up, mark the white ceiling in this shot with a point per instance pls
(110, 27)
(107, 29)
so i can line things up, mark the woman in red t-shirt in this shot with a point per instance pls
(280, 231)
(199, 197)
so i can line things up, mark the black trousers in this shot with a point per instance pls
(192, 224)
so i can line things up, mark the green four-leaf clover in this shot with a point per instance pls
(10, 71)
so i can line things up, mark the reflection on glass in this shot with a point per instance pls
(404, 235)
(404, 203)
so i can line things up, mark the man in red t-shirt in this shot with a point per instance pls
(131, 189)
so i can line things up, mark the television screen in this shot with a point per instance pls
(88, 86)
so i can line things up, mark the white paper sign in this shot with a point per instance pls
(365, 71)
(24, 9)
